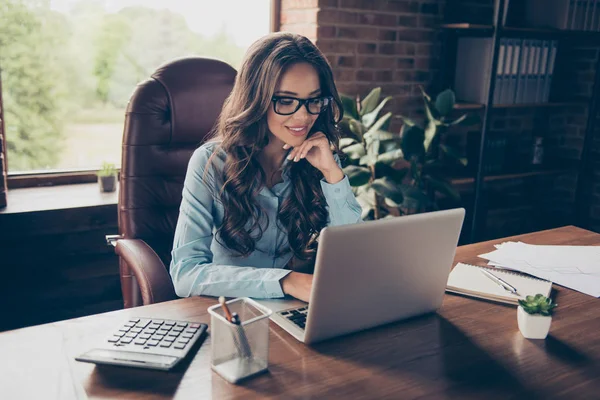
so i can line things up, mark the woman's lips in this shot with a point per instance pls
(297, 130)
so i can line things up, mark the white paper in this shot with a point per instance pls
(575, 267)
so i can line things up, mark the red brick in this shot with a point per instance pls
(298, 16)
(344, 61)
(366, 48)
(407, 21)
(406, 63)
(424, 49)
(387, 35)
(377, 19)
(361, 33)
(376, 62)
(326, 32)
(427, 21)
(384, 76)
(364, 75)
(332, 16)
(360, 4)
(337, 46)
(411, 76)
(403, 6)
(387, 48)
(424, 63)
(299, 4)
(344, 74)
(405, 48)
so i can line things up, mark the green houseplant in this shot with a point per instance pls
(107, 177)
(395, 174)
(534, 316)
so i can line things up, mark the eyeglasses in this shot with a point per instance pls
(289, 105)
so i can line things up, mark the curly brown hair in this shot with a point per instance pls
(243, 133)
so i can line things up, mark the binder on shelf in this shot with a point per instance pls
(514, 71)
(542, 67)
(500, 73)
(578, 15)
(549, 71)
(522, 71)
(472, 65)
(496, 11)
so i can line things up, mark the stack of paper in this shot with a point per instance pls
(575, 267)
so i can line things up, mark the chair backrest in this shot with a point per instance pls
(167, 118)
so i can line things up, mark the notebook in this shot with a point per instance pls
(468, 280)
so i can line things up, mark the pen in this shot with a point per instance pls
(503, 284)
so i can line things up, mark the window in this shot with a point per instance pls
(70, 66)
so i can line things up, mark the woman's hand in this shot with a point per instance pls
(298, 285)
(317, 151)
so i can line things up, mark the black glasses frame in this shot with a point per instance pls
(302, 102)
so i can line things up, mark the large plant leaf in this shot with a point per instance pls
(379, 124)
(369, 103)
(383, 170)
(430, 111)
(369, 119)
(381, 135)
(456, 121)
(366, 199)
(347, 141)
(390, 144)
(412, 141)
(388, 189)
(453, 154)
(430, 132)
(443, 187)
(357, 176)
(367, 160)
(349, 105)
(413, 196)
(444, 102)
(357, 129)
(406, 120)
(390, 157)
(355, 151)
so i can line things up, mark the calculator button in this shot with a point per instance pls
(113, 339)
(179, 346)
(126, 340)
(142, 323)
(158, 321)
(145, 336)
(166, 344)
(136, 330)
(140, 341)
(195, 326)
(152, 342)
(187, 335)
(169, 323)
(182, 324)
(134, 320)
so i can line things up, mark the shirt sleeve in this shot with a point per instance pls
(192, 269)
(341, 202)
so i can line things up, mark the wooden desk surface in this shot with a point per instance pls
(469, 349)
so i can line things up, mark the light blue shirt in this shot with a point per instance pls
(202, 266)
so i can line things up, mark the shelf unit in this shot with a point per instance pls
(497, 31)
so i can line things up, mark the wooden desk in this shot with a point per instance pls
(470, 349)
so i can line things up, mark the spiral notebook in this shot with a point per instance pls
(468, 280)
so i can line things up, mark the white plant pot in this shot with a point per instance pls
(533, 326)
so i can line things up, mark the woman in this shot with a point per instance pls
(256, 197)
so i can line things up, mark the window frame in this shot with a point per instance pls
(17, 180)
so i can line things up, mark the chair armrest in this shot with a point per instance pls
(152, 277)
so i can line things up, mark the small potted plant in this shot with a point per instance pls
(534, 316)
(107, 177)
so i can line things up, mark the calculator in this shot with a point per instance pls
(147, 343)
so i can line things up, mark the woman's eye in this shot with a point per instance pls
(316, 101)
(285, 102)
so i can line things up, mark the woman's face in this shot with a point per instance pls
(299, 81)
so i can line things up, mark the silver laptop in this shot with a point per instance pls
(373, 273)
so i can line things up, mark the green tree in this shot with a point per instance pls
(32, 61)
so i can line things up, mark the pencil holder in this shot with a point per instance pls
(239, 351)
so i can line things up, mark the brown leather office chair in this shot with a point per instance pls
(167, 118)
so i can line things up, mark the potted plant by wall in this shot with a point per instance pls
(396, 174)
(107, 177)
(534, 316)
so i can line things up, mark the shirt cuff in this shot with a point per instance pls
(337, 190)
(272, 284)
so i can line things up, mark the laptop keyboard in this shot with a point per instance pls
(297, 316)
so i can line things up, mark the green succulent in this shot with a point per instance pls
(108, 169)
(538, 304)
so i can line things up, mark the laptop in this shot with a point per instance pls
(373, 273)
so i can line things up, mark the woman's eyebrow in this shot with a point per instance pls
(296, 94)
